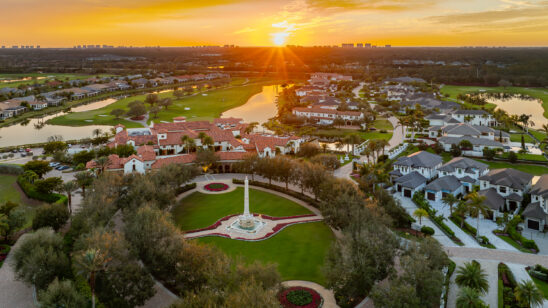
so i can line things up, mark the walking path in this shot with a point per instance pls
(328, 297)
(14, 293)
(497, 255)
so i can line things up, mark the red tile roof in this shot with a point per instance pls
(181, 159)
(147, 152)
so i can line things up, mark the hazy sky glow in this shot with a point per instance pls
(62, 23)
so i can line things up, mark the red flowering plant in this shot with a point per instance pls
(300, 297)
(216, 187)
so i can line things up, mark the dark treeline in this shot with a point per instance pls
(485, 66)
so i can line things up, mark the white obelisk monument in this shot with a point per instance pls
(246, 198)
(246, 220)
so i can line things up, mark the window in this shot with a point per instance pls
(502, 189)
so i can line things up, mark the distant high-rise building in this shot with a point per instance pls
(3, 47)
(37, 46)
(387, 45)
(348, 45)
(97, 46)
(15, 47)
(367, 45)
(359, 45)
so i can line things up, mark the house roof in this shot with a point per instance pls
(146, 152)
(465, 129)
(474, 141)
(395, 172)
(541, 186)
(465, 163)
(467, 179)
(508, 177)
(181, 159)
(471, 112)
(514, 197)
(411, 180)
(420, 159)
(447, 183)
(492, 199)
(534, 210)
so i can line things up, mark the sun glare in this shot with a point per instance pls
(279, 38)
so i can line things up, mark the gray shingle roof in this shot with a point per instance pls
(541, 186)
(420, 159)
(467, 129)
(463, 163)
(508, 177)
(534, 210)
(447, 183)
(474, 141)
(493, 200)
(471, 112)
(411, 180)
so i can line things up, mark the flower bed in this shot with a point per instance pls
(216, 187)
(4, 249)
(300, 297)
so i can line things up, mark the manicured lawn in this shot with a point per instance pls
(517, 138)
(203, 106)
(542, 285)
(45, 78)
(540, 93)
(539, 135)
(343, 132)
(298, 250)
(510, 241)
(535, 157)
(383, 123)
(7, 191)
(532, 169)
(200, 210)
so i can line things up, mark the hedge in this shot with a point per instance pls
(30, 191)
(419, 200)
(290, 192)
(516, 236)
(427, 230)
(472, 231)
(187, 187)
(11, 169)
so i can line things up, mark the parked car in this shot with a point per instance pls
(53, 164)
(28, 150)
(63, 168)
(21, 150)
(23, 154)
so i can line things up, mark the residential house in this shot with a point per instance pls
(474, 117)
(511, 184)
(466, 170)
(423, 162)
(326, 116)
(410, 183)
(442, 186)
(38, 105)
(536, 213)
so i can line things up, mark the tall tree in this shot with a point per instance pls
(471, 275)
(528, 294)
(89, 263)
(476, 203)
(470, 298)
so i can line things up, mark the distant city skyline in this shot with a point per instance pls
(169, 23)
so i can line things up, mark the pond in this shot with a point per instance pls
(37, 131)
(259, 108)
(518, 105)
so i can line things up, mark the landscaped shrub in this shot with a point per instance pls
(216, 187)
(427, 230)
(516, 236)
(11, 169)
(299, 297)
(187, 187)
(539, 275)
(30, 191)
(419, 200)
(542, 269)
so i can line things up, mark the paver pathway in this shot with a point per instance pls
(500, 255)
(491, 269)
(14, 293)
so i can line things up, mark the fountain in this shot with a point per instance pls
(246, 222)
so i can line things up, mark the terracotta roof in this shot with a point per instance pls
(147, 152)
(327, 111)
(181, 159)
(233, 155)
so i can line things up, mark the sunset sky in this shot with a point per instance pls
(64, 23)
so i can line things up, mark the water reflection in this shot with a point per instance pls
(518, 105)
(259, 108)
(39, 131)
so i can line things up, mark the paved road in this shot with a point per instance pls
(497, 255)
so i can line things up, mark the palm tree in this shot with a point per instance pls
(68, 188)
(450, 200)
(353, 139)
(208, 141)
(473, 276)
(88, 264)
(102, 162)
(477, 206)
(184, 140)
(461, 210)
(382, 143)
(96, 132)
(420, 214)
(528, 294)
(469, 298)
(84, 179)
(544, 129)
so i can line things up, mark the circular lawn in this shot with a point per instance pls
(298, 250)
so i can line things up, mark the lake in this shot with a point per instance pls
(259, 108)
(518, 105)
(37, 131)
